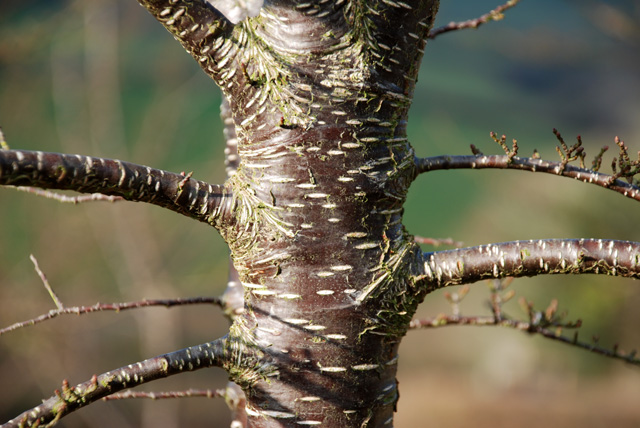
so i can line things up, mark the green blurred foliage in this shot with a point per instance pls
(104, 79)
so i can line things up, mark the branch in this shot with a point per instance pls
(528, 164)
(46, 284)
(196, 199)
(207, 393)
(548, 323)
(529, 327)
(68, 199)
(529, 258)
(437, 242)
(71, 398)
(202, 30)
(100, 307)
(495, 15)
(176, 14)
(116, 307)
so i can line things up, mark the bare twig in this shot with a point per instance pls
(455, 299)
(117, 307)
(207, 393)
(42, 276)
(437, 242)
(529, 327)
(495, 15)
(68, 199)
(548, 323)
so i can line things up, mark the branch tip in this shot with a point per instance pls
(496, 14)
(476, 151)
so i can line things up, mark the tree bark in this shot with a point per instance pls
(318, 240)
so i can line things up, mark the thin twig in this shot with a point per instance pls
(117, 307)
(207, 393)
(495, 15)
(68, 199)
(444, 320)
(437, 242)
(42, 276)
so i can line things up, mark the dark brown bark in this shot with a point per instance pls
(178, 192)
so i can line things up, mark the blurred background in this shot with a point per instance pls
(102, 78)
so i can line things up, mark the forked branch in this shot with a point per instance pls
(548, 323)
(71, 398)
(525, 326)
(178, 192)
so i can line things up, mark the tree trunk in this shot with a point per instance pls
(320, 106)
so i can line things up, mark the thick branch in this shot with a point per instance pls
(201, 29)
(187, 20)
(71, 398)
(177, 192)
(528, 164)
(530, 258)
